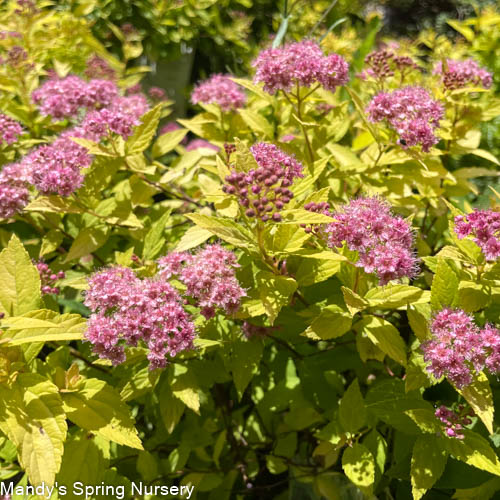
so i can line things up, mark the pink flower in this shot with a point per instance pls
(200, 143)
(14, 193)
(302, 63)
(157, 94)
(128, 310)
(99, 124)
(221, 90)
(48, 278)
(10, 130)
(459, 74)
(411, 112)
(458, 347)
(384, 242)
(99, 68)
(455, 421)
(135, 105)
(484, 227)
(263, 191)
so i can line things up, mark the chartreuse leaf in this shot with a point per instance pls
(331, 323)
(353, 301)
(167, 142)
(395, 296)
(19, 280)
(154, 240)
(226, 229)
(88, 240)
(352, 411)
(245, 359)
(359, 466)
(444, 289)
(275, 292)
(95, 406)
(485, 491)
(43, 325)
(427, 465)
(473, 450)
(257, 123)
(32, 417)
(185, 387)
(51, 241)
(192, 238)
(171, 408)
(478, 395)
(144, 133)
(385, 336)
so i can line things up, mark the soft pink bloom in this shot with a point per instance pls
(14, 193)
(200, 143)
(99, 124)
(484, 227)
(135, 105)
(301, 63)
(263, 191)
(454, 420)
(99, 68)
(384, 241)
(411, 112)
(157, 94)
(10, 130)
(459, 74)
(221, 90)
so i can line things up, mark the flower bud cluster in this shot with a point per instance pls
(64, 97)
(209, 278)
(301, 63)
(128, 310)
(384, 241)
(157, 94)
(97, 67)
(458, 347)
(411, 112)
(221, 90)
(264, 191)
(383, 63)
(14, 193)
(459, 74)
(484, 227)
(321, 207)
(10, 130)
(455, 421)
(48, 278)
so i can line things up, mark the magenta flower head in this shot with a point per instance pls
(458, 347)
(97, 67)
(10, 130)
(100, 124)
(134, 105)
(130, 311)
(411, 112)
(200, 143)
(301, 63)
(48, 278)
(221, 90)
(484, 227)
(454, 420)
(384, 241)
(383, 63)
(14, 193)
(264, 191)
(209, 277)
(459, 74)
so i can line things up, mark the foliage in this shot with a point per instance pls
(314, 381)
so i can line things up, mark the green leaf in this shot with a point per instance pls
(473, 450)
(332, 322)
(352, 411)
(167, 142)
(144, 133)
(257, 123)
(302, 216)
(20, 281)
(51, 242)
(43, 325)
(192, 238)
(359, 466)
(97, 407)
(226, 229)
(88, 240)
(444, 289)
(353, 301)
(275, 292)
(427, 465)
(185, 387)
(385, 336)
(473, 296)
(395, 296)
(32, 417)
(154, 240)
(171, 408)
(478, 395)
(245, 360)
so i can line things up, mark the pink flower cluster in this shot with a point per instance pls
(459, 74)
(10, 130)
(14, 193)
(128, 310)
(97, 67)
(200, 143)
(263, 191)
(64, 97)
(99, 124)
(383, 63)
(221, 90)
(301, 63)
(458, 347)
(411, 112)
(384, 241)
(48, 278)
(455, 421)
(209, 278)
(484, 227)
